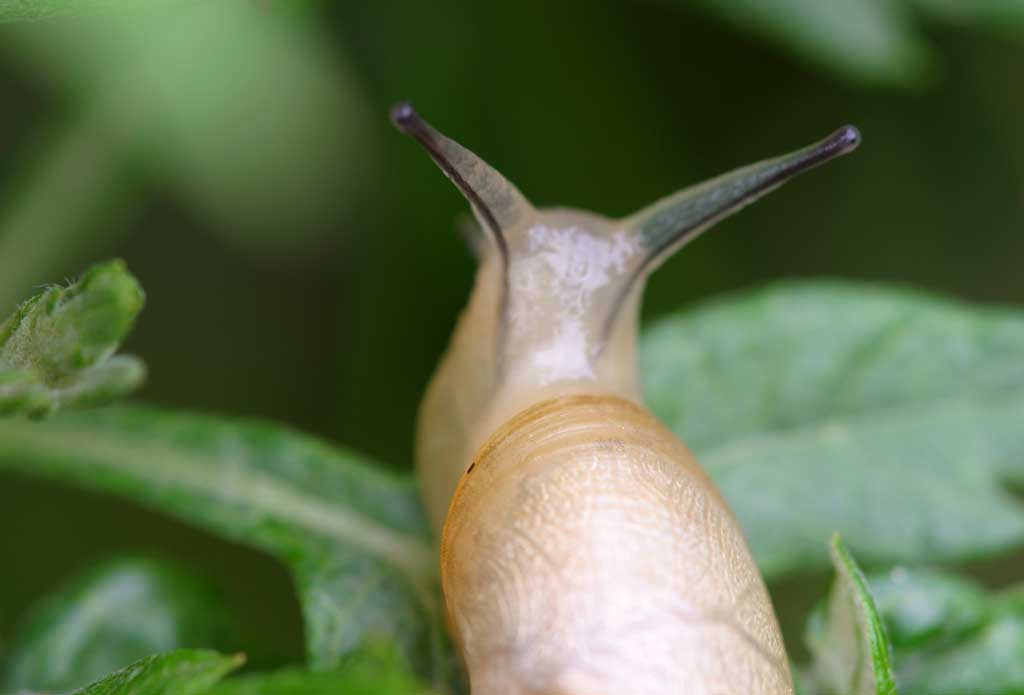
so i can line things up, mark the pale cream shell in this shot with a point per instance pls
(587, 553)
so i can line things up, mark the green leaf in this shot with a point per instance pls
(354, 535)
(950, 636)
(867, 40)
(375, 671)
(348, 598)
(851, 651)
(56, 351)
(110, 616)
(887, 414)
(181, 672)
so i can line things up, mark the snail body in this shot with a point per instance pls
(583, 549)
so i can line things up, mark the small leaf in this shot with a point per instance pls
(950, 636)
(181, 672)
(378, 671)
(56, 351)
(355, 536)
(851, 651)
(887, 414)
(113, 615)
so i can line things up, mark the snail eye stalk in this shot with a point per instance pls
(671, 223)
(497, 203)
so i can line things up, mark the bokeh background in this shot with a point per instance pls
(301, 258)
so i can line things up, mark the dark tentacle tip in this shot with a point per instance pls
(846, 139)
(404, 116)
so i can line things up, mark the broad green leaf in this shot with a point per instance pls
(56, 351)
(114, 614)
(181, 672)
(868, 40)
(887, 414)
(370, 672)
(851, 652)
(355, 536)
(950, 636)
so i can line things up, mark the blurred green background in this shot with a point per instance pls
(301, 259)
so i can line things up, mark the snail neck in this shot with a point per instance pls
(565, 320)
(553, 319)
(573, 282)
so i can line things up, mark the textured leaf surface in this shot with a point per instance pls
(852, 654)
(56, 351)
(111, 616)
(887, 414)
(951, 636)
(182, 672)
(354, 535)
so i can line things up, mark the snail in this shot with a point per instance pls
(583, 549)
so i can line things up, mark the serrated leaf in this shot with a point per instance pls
(181, 672)
(850, 649)
(56, 351)
(887, 414)
(354, 535)
(951, 636)
(867, 40)
(110, 616)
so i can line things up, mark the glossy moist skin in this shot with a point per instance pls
(583, 549)
(586, 551)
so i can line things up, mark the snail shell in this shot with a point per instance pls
(586, 551)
